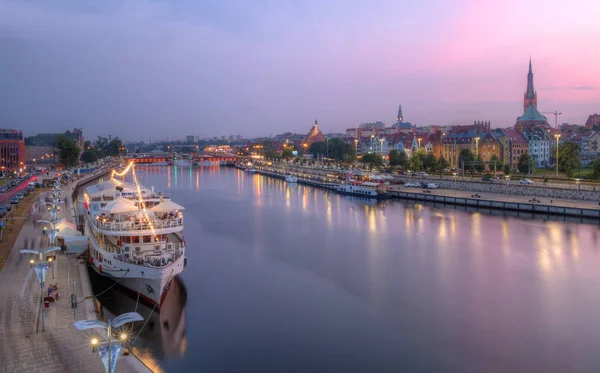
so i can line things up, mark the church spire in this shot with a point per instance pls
(400, 118)
(530, 90)
(530, 97)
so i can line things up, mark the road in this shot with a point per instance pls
(7, 196)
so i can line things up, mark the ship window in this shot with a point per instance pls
(147, 239)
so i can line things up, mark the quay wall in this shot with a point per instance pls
(501, 188)
(496, 186)
(501, 205)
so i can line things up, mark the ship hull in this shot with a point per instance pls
(150, 284)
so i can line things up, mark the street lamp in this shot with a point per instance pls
(578, 182)
(355, 148)
(381, 146)
(41, 269)
(476, 147)
(507, 178)
(455, 176)
(109, 352)
(557, 137)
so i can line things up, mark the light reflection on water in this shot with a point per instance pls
(292, 278)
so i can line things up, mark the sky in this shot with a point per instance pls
(155, 70)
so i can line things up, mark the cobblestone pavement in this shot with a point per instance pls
(61, 347)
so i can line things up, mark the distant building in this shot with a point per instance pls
(531, 116)
(12, 150)
(540, 144)
(593, 120)
(518, 146)
(530, 96)
(314, 135)
(401, 125)
(192, 139)
(41, 148)
(478, 125)
(379, 125)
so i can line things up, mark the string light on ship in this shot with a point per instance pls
(123, 173)
(142, 204)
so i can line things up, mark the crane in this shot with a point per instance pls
(556, 114)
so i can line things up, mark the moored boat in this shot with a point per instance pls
(135, 236)
(363, 189)
(291, 179)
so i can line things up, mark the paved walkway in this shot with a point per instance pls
(502, 197)
(61, 347)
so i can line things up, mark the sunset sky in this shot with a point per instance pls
(156, 69)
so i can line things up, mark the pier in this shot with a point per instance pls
(56, 346)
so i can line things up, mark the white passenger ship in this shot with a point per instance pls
(135, 236)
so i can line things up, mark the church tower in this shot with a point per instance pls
(400, 117)
(530, 97)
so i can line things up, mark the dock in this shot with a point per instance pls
(26, 345)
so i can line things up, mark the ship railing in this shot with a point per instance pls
(159, 256)
(136, 225)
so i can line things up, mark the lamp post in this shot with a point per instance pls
(578, 182)
(507, 178)
(381, 146)
(41, 269)
(355, 148)
(476, 147)
(455, 176)
(109, 352)
(372, 137)
(557, 137)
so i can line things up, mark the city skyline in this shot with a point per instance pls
(147, 69)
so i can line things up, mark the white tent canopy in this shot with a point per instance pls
(167, 206)
(66, 229)
(119, 205)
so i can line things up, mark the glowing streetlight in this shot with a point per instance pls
(109, 352)
(557, 137)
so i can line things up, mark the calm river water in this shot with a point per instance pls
(294, 279)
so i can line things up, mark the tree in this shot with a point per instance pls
(114, 147)
(417, 160)
(506, 169)
(89, 155)
(394, 157)
(287, 152)
(443, 163)
(465, 155)
(429, 162)
(318, 148)
(480, 166)
(568, 157)
(68, 151)
(524, 163)
(372, 159)
(268, 149)
(495, 164)
(596, 169)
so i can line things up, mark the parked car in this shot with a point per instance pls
(19, 196)
(14, 201)
(526, 182)
(3, 211)
(422, 174)
(432, 186)
(412, 185)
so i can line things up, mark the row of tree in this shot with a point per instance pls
(68, 151)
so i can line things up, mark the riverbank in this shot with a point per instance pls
(477, 195)
(27, 344)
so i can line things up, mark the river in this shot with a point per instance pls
(287, 278)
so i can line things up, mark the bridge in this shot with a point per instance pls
(170, 158)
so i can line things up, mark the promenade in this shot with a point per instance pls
(24, 347)
(557, 202)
